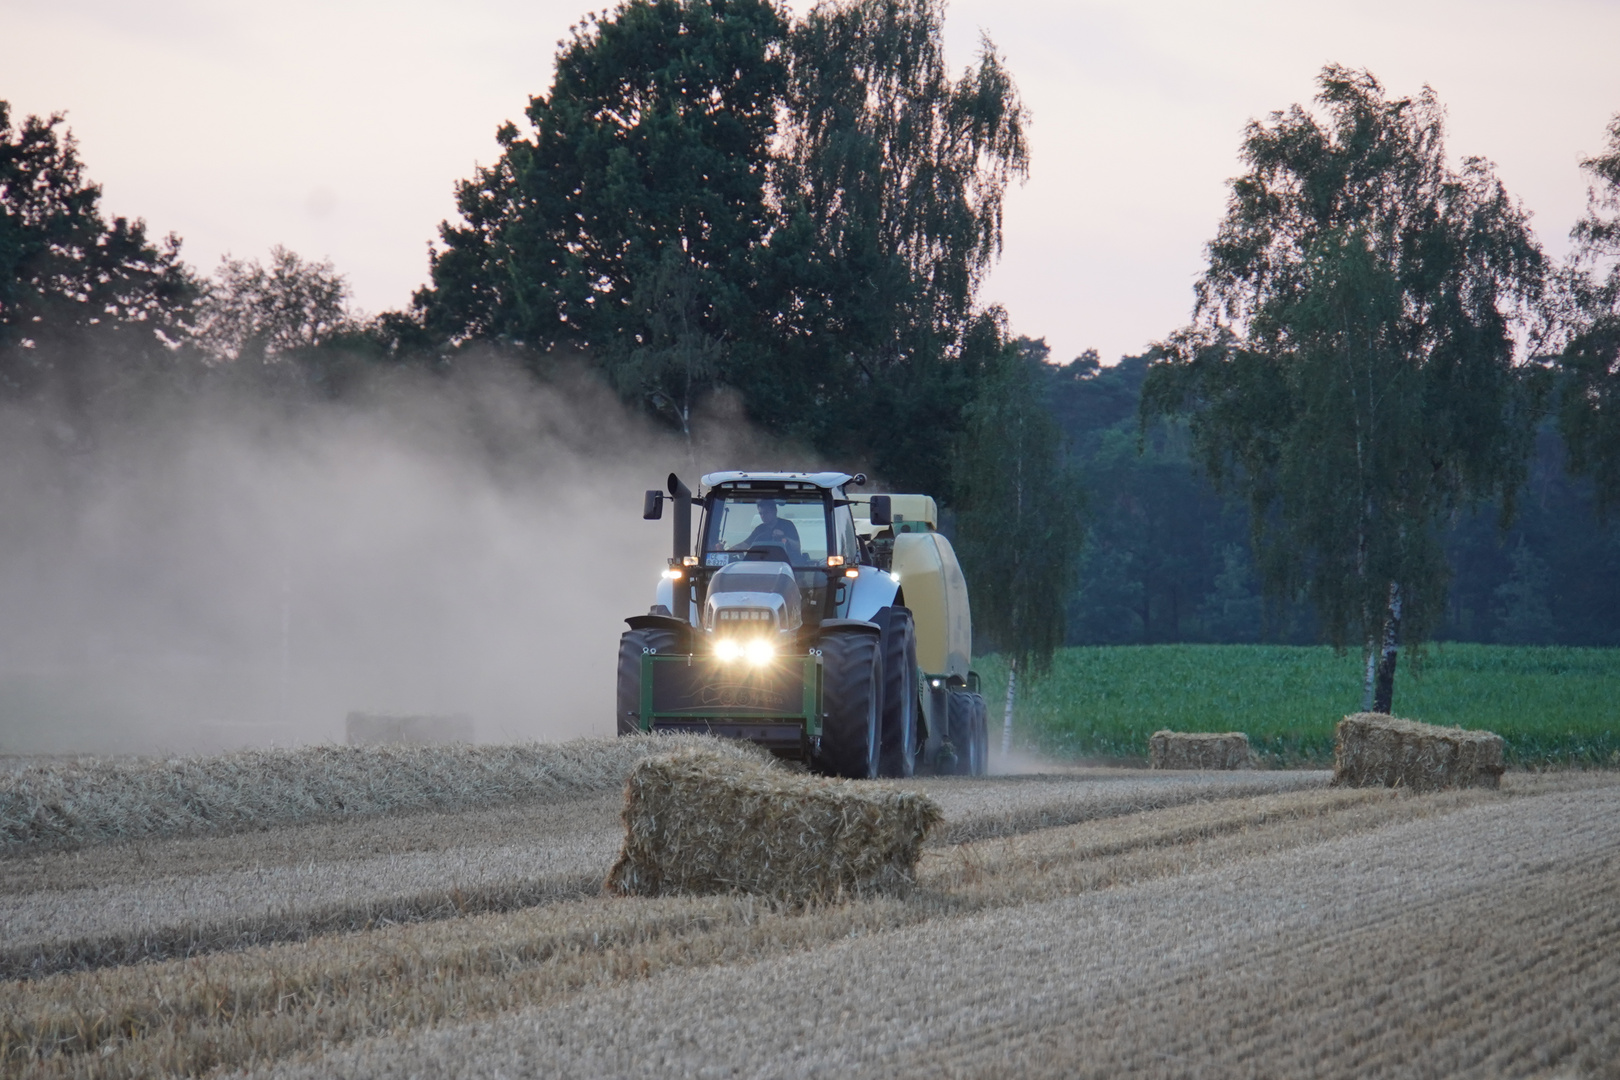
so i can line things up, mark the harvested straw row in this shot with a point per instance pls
(255, 1006)
(1009, 806)
(1199, 750)
(1373, 750)
(201, 1015)
(72, 802)
(1276, 967)
(331, 859)
(271, 925)
(699, 822)
(187, 895)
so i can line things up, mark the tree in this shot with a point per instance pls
(675, 358)
(1523, 616)
(261, 313)
(78, 296)
(893, 174)
(710, 196)
(1018, 526)
(1589, 407)
(654, 139)
(1232, 612)
(1351, 363)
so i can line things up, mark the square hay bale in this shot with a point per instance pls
(1199, 750)
(378, 729)
(699, 822)
(1374, 750)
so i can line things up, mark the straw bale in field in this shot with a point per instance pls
(697, 822)
(1198, 750)
(378, 729)
(1374, 750)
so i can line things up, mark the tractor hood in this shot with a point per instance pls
(753, 595)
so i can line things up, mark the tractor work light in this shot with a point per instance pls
(673, 573)
(835, 560)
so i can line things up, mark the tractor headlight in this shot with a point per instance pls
(759, 651)
(728, 648)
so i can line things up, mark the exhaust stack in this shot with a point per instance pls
(682, 496)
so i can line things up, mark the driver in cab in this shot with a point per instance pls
(772, 530)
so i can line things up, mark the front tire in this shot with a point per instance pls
(852, 694)
(898, 756)
(632, 643)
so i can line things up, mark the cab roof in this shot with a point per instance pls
(826, 480)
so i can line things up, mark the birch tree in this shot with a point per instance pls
(1352, 365)
(1589, 321)
(1019, 528)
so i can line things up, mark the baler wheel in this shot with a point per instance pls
(981, 735)
(962, 728)
(898, 726)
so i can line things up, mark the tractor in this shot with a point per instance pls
(828, 627)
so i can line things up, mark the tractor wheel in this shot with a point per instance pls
(981, 726)
(632, 643)
(852, 699)
(962, 732)
(898, 726)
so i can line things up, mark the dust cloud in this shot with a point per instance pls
(223, 569)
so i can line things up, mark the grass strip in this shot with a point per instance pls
(1553, 705)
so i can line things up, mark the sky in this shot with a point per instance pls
(339, 127)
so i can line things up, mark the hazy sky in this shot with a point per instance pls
(338, 127)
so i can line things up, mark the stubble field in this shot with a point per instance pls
(1093, 922)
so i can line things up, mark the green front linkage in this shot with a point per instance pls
(689, 681)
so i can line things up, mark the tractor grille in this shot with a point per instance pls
(746, 617)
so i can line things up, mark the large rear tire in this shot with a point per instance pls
(632, 643)
(852, 697)
(898, 756)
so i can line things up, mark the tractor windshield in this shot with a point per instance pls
(790, 525)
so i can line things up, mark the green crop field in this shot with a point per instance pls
(1552, 705)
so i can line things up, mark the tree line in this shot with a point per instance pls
(1167, 556)
(714, 196)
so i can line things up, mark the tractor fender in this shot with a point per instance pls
(863, 625)
(873, 591)
(682, 632)
(665, 598)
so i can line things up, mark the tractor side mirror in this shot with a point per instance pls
(652, 507)
(880, 513)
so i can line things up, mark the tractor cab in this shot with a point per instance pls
(797, 529)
